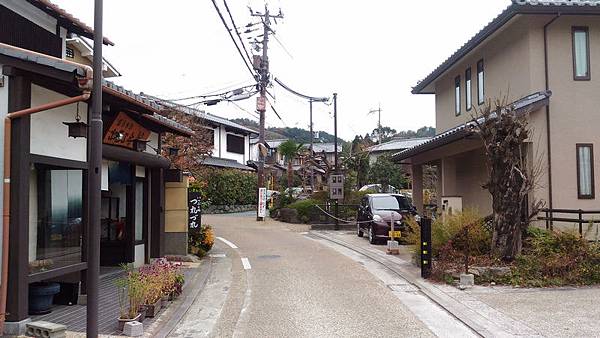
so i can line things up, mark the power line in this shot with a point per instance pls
(233, 39)
(311, 98)
(236, 31)
(211, 95)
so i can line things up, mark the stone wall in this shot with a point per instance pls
(227, 209)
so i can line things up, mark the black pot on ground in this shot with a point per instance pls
(41, 296)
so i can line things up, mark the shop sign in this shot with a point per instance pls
(194, 211)
(262, 202)
(123, 130)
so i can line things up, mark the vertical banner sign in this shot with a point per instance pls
(425, 247)
(194, 211)
(262, 202)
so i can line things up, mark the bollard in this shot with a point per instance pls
(425, 247)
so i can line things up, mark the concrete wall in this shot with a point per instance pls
(176, 217)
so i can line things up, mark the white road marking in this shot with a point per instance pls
(218, 255)
(231, 245)
(246, 263)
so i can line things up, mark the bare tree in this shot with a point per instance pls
(504, 132)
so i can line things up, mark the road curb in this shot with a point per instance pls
(475, 321)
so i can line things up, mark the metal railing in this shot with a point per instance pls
(580, 219)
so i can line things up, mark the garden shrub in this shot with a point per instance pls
(227, 186)
(553, 258)
(199, 243)
(304, 208)
(451, 229)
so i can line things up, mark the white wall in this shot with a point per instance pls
(140, 258)
(49, 136)
(241, 158)
(152, 143)
(33, 215)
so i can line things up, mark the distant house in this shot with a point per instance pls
(80, 50)
(230, 141)
(393, 146)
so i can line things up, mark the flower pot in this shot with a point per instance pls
(123, 321)
(142, 312)
(41, 296)
(165, 299)
(152, 309)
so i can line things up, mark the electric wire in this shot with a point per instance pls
(236, 31)
(233, 39)
(209, 94)
(311, 98)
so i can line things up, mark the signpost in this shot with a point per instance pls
(194, 211)
(336, 187)
(262, 202)
(425, 247)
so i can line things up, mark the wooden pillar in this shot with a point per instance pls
(19, 97)
(157, 209)
(417, 187)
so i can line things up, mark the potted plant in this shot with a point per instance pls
(151, 278)
(132, 293)
(41, 296)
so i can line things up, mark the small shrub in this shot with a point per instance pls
(304, 208)
(452, 228)
(199, 243)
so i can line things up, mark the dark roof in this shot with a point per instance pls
(67, 20)
(527, 104)
(225, 163)
(517, 7)
(42, 59)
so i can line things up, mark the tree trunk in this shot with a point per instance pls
(290, 175)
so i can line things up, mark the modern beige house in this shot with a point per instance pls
(541, 57)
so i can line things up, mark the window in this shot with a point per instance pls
(57, 218)
(468, 92)
(480, 83)
(235, 144)
(581, 53)
(585, 171)
(457, 95)
(70, 53)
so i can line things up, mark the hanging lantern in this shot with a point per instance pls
(77, 128)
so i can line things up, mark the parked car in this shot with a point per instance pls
(376, 212)
(378, 188)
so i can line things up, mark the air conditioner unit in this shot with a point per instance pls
(451, 205)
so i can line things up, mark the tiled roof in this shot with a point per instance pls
(225, 163)
(529, 103)
(72, 23)
(398, 144)
(42, 59)
(517, 7)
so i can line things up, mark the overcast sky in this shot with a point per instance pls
(369, 52)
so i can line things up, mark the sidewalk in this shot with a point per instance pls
(494, 311)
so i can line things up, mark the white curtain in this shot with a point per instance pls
(585, 171)
(581, 50)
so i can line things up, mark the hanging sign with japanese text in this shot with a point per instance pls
(262, 202)
(194, 211)
(123, 130)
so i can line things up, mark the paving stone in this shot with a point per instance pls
(133, 329)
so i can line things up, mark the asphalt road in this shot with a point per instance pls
(272, 280)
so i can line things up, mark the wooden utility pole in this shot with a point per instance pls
(378, 110)
(261, 105)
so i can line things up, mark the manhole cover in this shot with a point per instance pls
(268, 257)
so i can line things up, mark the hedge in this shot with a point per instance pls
(227, 186)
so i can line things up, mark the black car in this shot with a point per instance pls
(377, 211)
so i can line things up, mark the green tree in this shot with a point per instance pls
(386, 173)
(290, 149)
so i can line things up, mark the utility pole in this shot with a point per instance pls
(263, 83)
(335, 151)
(378, 110)
(312, 138)
(94, 180)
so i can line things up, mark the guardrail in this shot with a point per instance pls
(580, 220)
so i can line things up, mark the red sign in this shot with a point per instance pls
(261, 103)
(124, 130)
